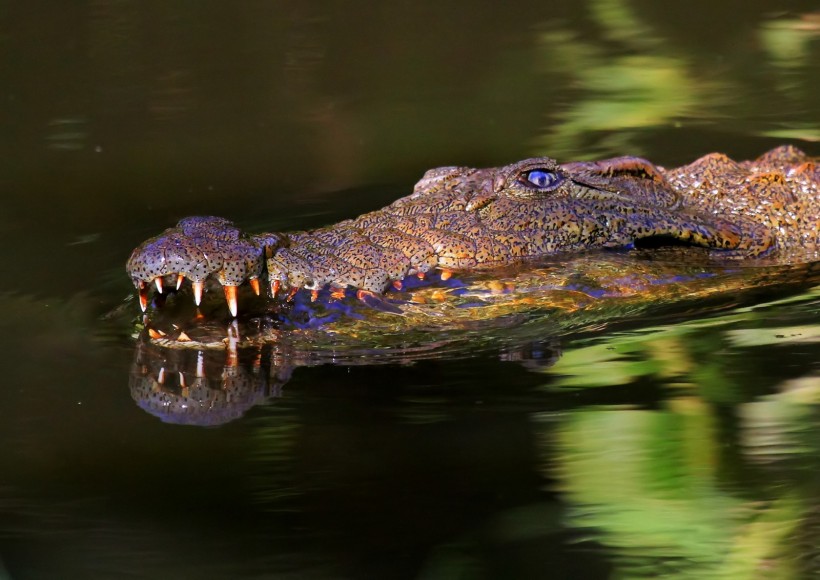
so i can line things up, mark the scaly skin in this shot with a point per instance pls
(464, 219)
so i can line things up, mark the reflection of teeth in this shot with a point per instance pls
(180, 279)
(158, 282)
(233, 338)
(155, 334)
(254, 282)
(230, 296)
(197, 286)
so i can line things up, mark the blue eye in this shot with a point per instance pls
(543, 179)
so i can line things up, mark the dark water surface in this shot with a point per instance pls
(685, 446)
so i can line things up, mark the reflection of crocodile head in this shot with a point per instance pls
(202, 387)
(206, 386)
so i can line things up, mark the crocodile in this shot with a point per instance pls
(461, 219)
(514, 256)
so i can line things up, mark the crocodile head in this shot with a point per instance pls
(456, 219)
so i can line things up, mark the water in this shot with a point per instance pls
(681, 444)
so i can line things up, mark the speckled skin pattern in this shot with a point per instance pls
(459, 218)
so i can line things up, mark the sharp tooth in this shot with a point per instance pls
(420, 275)
(183, 337)
(363, 295)
(182, 380)
(314, 294)
(143, 294)
(180, 279)
(397, 284)
(200, 364)
(161, 375)
(446, 274)
(230, 296)
(158, 282)
(155, 333)
(197, 286)
(274, 287)
(254, 282)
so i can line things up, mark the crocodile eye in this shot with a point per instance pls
(543, 179)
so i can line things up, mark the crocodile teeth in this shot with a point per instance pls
(274, 287)
(180, 279)
(230, 296)
(363, 295)
(197, 286)
(158, 282)
(155, 334)
(254, 282)
(143, 295)
(397, 284)
(446, 274)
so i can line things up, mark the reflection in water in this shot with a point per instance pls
(650, 487)
(780, 428)
(211, 387)
(663, 490)
(213, 381)
(191, 387)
